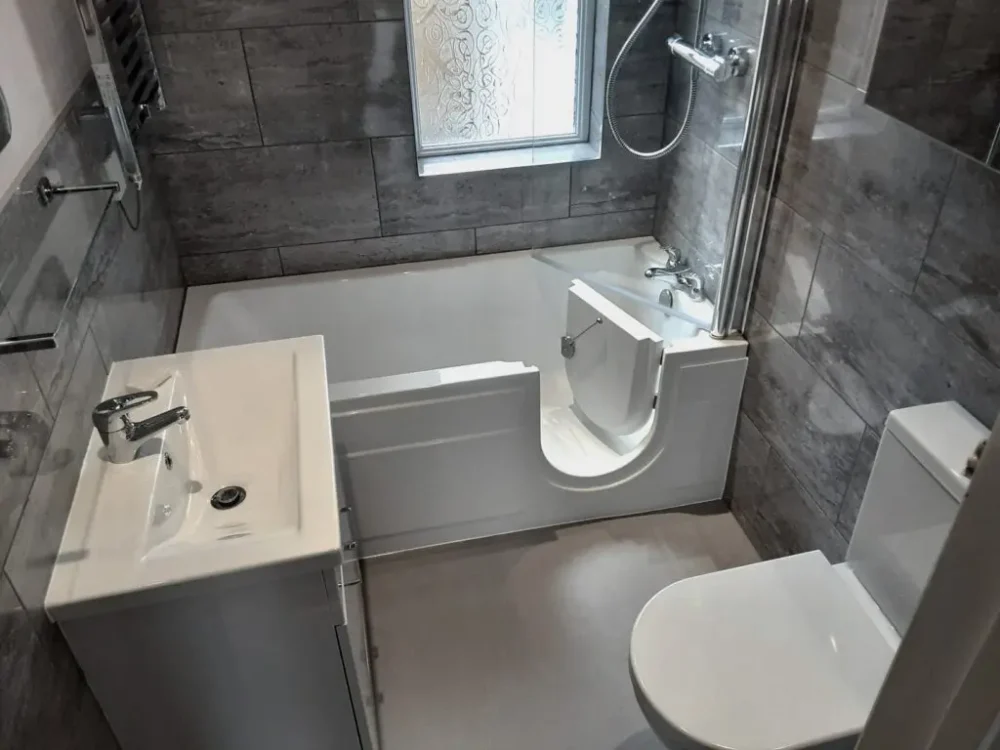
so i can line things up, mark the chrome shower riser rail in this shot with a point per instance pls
(767, 115)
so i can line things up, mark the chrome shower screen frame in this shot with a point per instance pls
(767, 119)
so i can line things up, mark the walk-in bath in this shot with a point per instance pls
(503, 392)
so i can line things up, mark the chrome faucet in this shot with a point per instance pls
(692, 283)
(675, 264)
(120, 434)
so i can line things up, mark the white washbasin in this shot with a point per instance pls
(259, 422)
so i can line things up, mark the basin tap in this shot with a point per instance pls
(120, 434)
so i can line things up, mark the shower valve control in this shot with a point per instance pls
(710, 57)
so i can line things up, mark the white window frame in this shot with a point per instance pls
(585, 145)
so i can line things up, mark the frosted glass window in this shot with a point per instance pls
(495, 74)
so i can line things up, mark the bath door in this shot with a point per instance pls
(612, 362)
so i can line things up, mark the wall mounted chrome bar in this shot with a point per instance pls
(767, 115)
(47, 192)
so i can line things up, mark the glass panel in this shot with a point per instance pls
(618, 273)
(490, 73)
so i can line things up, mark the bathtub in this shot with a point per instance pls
(456, 413)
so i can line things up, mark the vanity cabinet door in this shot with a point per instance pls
(354, 636)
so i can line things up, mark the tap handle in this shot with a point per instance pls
(110, 415)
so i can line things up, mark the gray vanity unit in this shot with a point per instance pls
(281, 663)
(210, 625)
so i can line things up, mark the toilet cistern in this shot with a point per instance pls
(120, 435)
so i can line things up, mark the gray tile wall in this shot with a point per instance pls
(125, 303)
(937, 68)
(697, 180)
(877, 290)
(288, 148)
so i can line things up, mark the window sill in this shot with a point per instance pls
(431, 166)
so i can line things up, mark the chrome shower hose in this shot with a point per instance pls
(612, 85)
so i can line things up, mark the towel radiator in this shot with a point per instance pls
(126, 72)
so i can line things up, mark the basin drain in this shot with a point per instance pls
(228, 497)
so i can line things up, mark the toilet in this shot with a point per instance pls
(791, 653)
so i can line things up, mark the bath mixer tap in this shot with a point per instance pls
(121, 435)
(692, 283)
(675, 264)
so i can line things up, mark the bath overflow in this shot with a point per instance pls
(228, 497)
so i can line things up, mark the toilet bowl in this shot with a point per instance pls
(791, 653)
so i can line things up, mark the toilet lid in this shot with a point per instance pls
(770, 656)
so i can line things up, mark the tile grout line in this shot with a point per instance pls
(812, 279)
(416, 234)
(378, 200)
(934, 230)
(265, 27)
(253, 94)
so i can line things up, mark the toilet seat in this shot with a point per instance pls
(771, 656)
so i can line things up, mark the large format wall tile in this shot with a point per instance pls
(870, 183)
(207, 91)
(804, 419)
(668, 235)
(36, 543)
(24, 430)
(247, 199)
(842, 37)
(694, 201)
(645, 72)
(46, 701)
(778, 514)
(859, 482)
(411, 204)
(683, 190)
(139, 293)
(242, 265)
(315, 83)
(17, 647)
(747, 16)
(558, 232)
(790, 518)
(619, 181)
(719, 115)
(750, 452)
(378, 251)
(960, 280)
(882, 351)
(44, 253)
(867, 323)
(201, 15)
(380, 10)
(787, 262)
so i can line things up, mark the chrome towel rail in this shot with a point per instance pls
(126, 73)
